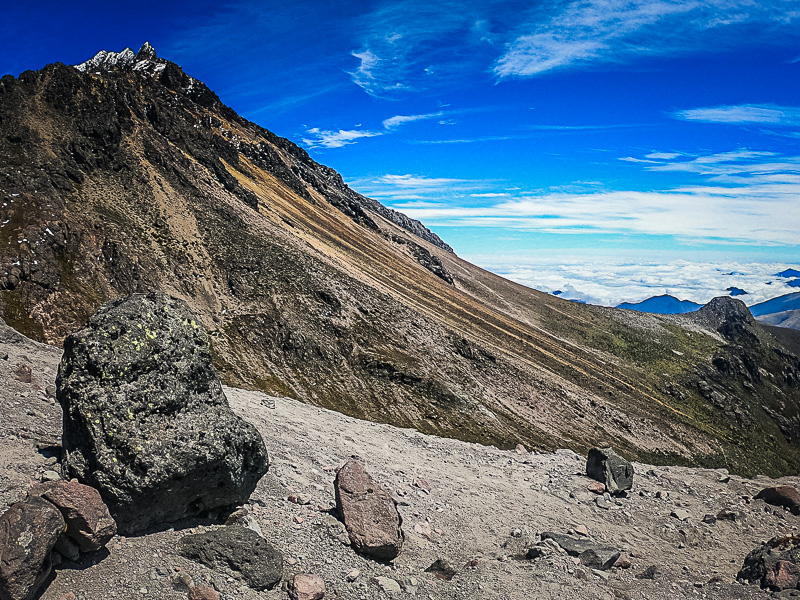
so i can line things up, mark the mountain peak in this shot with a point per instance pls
(104, 60)
(147, 52)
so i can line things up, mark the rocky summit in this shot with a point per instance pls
(145, 419)
(127, 175)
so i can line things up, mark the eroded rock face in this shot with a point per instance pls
(89, 523)
(368, 512)
(145, 419)
(239, 550)
(607, 467)
(28, 532)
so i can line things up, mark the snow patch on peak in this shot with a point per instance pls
(147, 52)
(104, 60)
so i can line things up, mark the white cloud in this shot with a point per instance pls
(744, 114)
(608, 31)
(396, 121)
(744, 201)
(610, 281)
(335, 139)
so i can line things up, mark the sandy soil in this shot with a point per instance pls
(485, 507)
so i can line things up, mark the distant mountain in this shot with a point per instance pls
(794, 283)
(776, 305)
(127, 175)
(662, 305)
(788, 273)
(786, 318)
(735, 291)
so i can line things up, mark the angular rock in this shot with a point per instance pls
(591, 554)
(304, 586)
(774, 564)
(610, 469)
(388, 585)
(443, 569)
(599, 557)
(237, 549)
(368, 512)
(89, 524)
(28, 532)
(782, 495)
(203, 592)
(145, 419)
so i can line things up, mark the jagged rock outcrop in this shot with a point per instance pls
(774, 565)
(145, 419)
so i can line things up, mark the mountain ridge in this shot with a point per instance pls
(128, 180)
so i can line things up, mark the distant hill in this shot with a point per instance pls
(662, 305)
(776, 305)
(786, 318)
(788, 273)
(735, 291)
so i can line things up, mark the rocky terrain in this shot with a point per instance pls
(128, 175)
(470, 513)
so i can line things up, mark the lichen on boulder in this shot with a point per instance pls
(146, 421)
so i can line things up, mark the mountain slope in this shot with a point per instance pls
(130, 175)
(775, 305)
(662, 305)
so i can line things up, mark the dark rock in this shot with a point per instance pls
(145, 419)
(67, 548)
(88, 521)
(239, 550)
(28, 532)
(610, 469)
(782, 495)
(443, 569)
(727, 514)
(602, 558)
(571, 545)
(651, 572)
(774, 564)
(368, 512)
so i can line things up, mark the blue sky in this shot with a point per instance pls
(655, 137)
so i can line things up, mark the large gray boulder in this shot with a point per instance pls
(146, 422)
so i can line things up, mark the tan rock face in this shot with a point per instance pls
(369, 513)
(28, 532)
(782, 575)
(89, 523)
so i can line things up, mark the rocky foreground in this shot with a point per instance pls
(470, 514)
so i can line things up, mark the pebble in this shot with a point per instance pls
(352, 575)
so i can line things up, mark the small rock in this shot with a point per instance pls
(623, 562)
(516, 533)
(597, 487)
(302, 499)
(607, 467)
(182, 579)
(520, 449)
(67, 548)
(68, 596)
(23, 373)
(680, 514)
(602, 503)
(388, 585)
(424, 529)
(352, 575)
(726, 514)
(582, 530)
(298, 519)
(782, 495)
(599, 558)
(305, 586)
(422, 484)
(710, 519)
(443, 569)
(51, 476)
(203, 592)
(651, 572)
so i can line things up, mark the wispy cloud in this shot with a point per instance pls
(611, 31)
(748, 197)
(335, 139)
(744, 114)
(396, 121)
